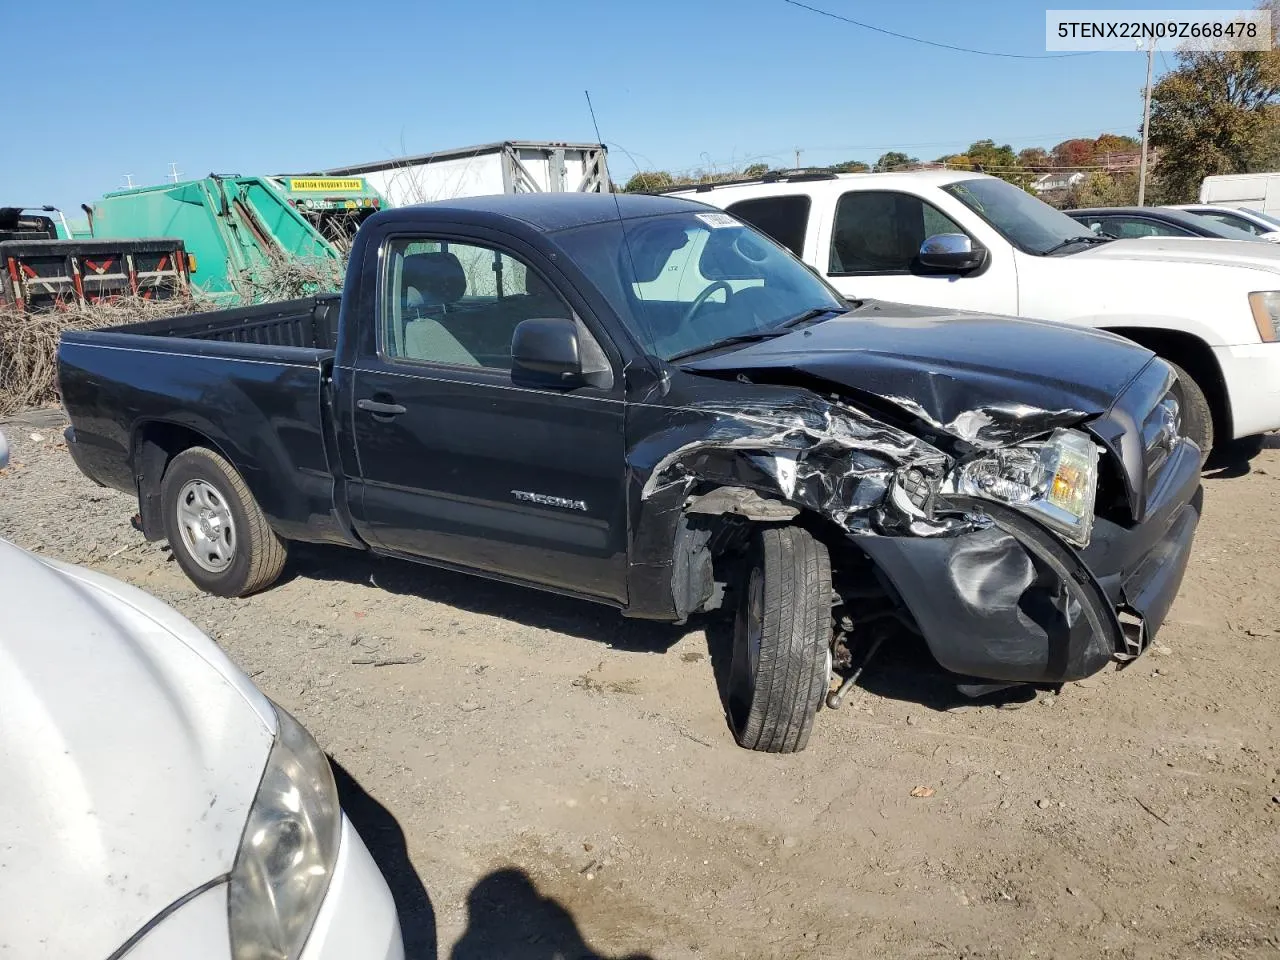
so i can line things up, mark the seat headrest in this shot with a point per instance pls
(438, 277)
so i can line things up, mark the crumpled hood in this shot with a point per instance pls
(131, 749)
(982, 378)
(1188, 250)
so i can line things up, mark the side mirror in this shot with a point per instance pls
(545, 353)
(4, 452)
(951, 253)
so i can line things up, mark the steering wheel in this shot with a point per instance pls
(701, 298)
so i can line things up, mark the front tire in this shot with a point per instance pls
(215, 528)
(1197, 418)
(781, 642)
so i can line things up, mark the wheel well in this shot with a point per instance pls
(1195, 356)
(709, 547)
(155, 444)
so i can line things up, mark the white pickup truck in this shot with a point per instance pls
(945, 238)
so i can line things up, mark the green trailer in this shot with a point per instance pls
(234, 227)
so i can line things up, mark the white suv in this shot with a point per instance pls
(947, 238)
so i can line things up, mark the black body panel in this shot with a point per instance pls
(585, 490)
(948, 364)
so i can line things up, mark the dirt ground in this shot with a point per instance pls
(545, 779)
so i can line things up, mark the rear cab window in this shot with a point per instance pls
(785, 219)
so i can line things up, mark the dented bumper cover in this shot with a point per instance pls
(996, 594)
(1012, 602)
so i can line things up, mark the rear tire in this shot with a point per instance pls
(1197, 418)
(781, 641)
(215, 528)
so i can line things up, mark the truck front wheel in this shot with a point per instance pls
(215, 528)
(1197, 418)
(781, 642)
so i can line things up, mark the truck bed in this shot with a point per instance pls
(250, 381)
(309, 322)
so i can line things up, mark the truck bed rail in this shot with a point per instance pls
(310, 322)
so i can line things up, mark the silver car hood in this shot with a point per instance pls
(1221, 253)
(131, 749)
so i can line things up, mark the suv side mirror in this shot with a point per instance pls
(951, 253)
(545, 353)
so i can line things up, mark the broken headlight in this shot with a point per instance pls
(1054, 480)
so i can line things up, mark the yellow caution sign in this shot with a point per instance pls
(320, 185)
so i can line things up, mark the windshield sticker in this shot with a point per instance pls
(717, 220)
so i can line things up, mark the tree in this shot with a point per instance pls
(985, 153)
(851, 166)
(1116, 143)
(1214, 114)
(1266, 154)
(1035, 157)
(894, 160)
(648, 180)
(985, 157)
(754, 170)
(1074, 153)
(1102, 189)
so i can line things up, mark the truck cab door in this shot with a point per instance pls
(868, 246)
(460, 466)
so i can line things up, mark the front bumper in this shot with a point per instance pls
(1013, 603)
(1251, 373)
(358, 917)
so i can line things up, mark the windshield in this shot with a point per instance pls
(687, 280)
(1029, 224)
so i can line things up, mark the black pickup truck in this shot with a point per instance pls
(643, 402)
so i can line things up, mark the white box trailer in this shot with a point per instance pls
(514, 166)
(1257, 191)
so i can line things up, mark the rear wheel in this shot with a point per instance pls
(215, 527)
(781, 642)
(1197, 418)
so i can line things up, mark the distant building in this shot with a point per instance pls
(1051, 182)
(1125, 162)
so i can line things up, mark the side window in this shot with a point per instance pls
(458, 303)
(881, 232)
(785, 219)
(1227, 220)
(1133, 228)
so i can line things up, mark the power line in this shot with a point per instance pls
(946, 143)
(935, 43)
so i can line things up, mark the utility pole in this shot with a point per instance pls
(798, 151)
(174, 172)
(1146, 122)
(128, 181)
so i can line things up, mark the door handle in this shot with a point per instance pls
(379, 409)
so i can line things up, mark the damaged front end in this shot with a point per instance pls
(1006, 534)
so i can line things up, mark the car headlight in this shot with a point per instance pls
(288, 850)
(1056, 481)
(1266, 314)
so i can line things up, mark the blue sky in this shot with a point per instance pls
(242, 87)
